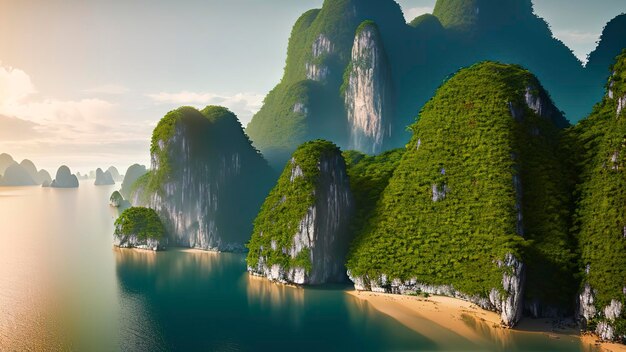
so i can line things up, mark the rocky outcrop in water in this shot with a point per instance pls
(368, 91)
(207, 182)
(64, 179)
(22, 174)
(139, 228)
(103, 178)
(17, 175)
(301, 234)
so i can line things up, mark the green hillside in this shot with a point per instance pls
(599, 142)
(480, 157)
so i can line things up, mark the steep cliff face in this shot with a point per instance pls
(368, 91)
(207, 181)
(301, 234)
(599, 146)
(476, 181)
(318, 54)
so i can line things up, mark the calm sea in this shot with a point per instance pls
(63, 287)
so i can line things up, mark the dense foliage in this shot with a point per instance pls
(599, 144)
(286, 206)
(143, 223)
(369, 176)
(467, 146)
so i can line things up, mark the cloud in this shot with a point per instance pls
(14, 129)
(51, 129)
(244, 105)
(15, 85)
(109, 89)
(411, 13)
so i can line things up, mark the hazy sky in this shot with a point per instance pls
(85, 82)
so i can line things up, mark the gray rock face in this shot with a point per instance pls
(509, 304)
(318, 71)
(586, 307)
(368, 95)
(215, 185)
(134, 242)
(64, 179)
(322, 231)
(190, 206)
(103, 178)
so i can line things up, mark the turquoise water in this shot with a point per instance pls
(63, 287)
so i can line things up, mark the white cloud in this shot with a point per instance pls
(244, 105)
(411, 13)
(109, 89)
(51, 129)
(15, 85)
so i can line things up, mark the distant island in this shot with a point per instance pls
(64, 179)
(23, 174)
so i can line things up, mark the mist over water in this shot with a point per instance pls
(63, 287)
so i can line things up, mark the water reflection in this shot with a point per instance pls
(263, 292)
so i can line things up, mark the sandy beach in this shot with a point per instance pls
(478, 326)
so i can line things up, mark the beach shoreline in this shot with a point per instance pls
(469, 321)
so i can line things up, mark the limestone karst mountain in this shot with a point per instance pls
(23, 174)
(598, 145)
(64, 179)
(477, 207)
(361, 89)
(17, 175)
(104, 178)
(301, 233)
(206, 181)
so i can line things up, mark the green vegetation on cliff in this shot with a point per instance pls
(450, 211)
(144, 223)
(599, 146)
(369, 176)
(286, 205)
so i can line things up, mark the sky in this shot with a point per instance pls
(83, 83)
